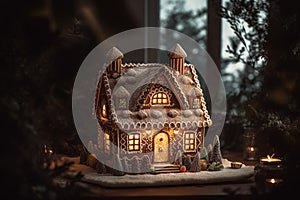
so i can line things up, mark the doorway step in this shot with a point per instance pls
(166, 168)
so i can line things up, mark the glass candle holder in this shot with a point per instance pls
(273, 184)
(250, 149)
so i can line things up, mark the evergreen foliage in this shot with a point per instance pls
(204, 154)
(216, 155)
(187, 162)
(178, 158)
(195, 166)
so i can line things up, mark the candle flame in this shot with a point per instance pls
(270, 157)
(272, 180)
(251, 149)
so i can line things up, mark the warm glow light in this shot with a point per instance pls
(272, 180)
(176, 131)
(270, 160)
(251, 148)
(189, 141)
(160, 98)
(104, 113)
(270, 157)
(134, 142)
(236, 165)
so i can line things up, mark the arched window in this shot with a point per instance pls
(104, 111)
(160, 98)
(107, 142)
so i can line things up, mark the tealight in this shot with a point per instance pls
(272, 184)
(274, 180)
(270, 161)
(236, 165)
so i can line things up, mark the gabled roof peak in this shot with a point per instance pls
(113, 54)
(121, 92)
(177, 51)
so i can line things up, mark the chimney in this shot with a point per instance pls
(114, 58)
(176, 56)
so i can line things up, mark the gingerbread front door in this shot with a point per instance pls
(161, 147)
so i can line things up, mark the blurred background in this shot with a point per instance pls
(254, 43)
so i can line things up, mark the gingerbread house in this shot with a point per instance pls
(151, 112)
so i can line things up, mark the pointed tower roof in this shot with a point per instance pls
(177, 51)
(113, 54)
(121, 92)
(195, 92)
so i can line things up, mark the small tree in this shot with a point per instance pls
(216, 155)
(209, 154)
(196, 167)
(178, 158)
(187, 162)
(204, 154)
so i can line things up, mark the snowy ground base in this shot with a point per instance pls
(188, 178)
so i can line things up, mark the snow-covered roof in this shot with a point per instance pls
(113, 54)
(135, 83)
(177, 50)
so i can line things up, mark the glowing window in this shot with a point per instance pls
(189, 141)
(134, 142)
(107, 142)
(104, 111)
(160, 98)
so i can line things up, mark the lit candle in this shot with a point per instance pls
(274, 180)
(272, 184)
(176, 131)
(236, 165)
(251, 153)
(269, 160)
